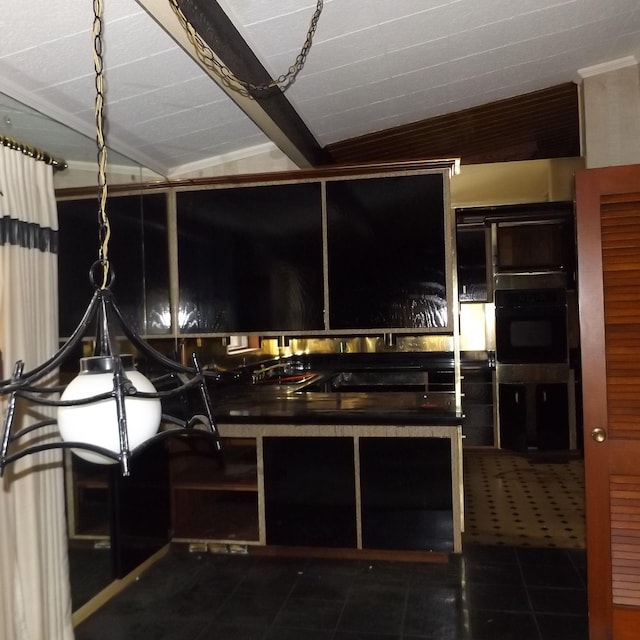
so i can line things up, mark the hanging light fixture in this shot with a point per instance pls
(110, 411)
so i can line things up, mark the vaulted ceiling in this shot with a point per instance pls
(485, 80)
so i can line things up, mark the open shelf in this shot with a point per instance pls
(215, 498)
(230, 516)
(87, 499)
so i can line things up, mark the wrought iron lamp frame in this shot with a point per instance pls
(104, 310)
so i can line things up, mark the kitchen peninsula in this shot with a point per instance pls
(352, 452)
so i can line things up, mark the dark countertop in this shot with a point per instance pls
(384, 408)
(359, 388)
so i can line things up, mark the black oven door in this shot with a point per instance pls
(531, 326)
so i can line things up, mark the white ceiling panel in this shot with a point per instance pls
(42, 64)
(425, 55)
(174, 100)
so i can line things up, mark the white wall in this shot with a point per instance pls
(611, 113)
(514, 182)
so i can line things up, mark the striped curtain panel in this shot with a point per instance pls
(35, 595)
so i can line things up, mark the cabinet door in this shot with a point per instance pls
(548, 244)
(512, 399)
(310, 491)
(387, 248)
(141, 509)
(250, 259)
(406, 493)
(138, 256)
(477, 407)
(552, 417)
(471, 246)
(133, 511)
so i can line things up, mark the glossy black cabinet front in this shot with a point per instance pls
(386, 253)
(477, 405)
(324, 254)
(310, 492)
(512, 399)
(250, 259)
(552, 411)
(406, 493)
(534, 416)
(404, 484)
(138, 254)
(473, 252)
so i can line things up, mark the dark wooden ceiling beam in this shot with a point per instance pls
(216, 29)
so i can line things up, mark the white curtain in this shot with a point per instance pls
(35, 596)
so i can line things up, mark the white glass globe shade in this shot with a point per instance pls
(97, 423)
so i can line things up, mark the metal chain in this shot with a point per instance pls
(104, 230)
(208, 58)
(246, 88)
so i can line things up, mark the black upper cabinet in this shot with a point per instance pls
(386, 248)
(536, 245)
(499, 243)
(137, 252)
(250, 259)
(309, 254)
(471, 250)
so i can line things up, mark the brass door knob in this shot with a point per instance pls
(599, 435)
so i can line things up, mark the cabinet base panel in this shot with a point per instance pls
(407, 529)
(311, 525)
(338, 553)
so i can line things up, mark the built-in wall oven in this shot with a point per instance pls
(531, 326)
(535, 399)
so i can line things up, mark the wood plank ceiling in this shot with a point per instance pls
(542, 124)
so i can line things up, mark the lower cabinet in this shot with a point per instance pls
(477, 406)
(213, 497)
(406, 493)
(552, 416)
(140, 509)
(88, 499)
(534, 416)
(513, 420)
(210, 498)
(400, 490)
(362, 487)
(130, 515)
(310, 491)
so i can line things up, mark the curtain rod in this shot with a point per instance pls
(34, 152)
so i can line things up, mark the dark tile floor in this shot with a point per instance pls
(487, 593)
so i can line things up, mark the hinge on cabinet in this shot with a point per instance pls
(240, 549)
(102, 544)
(217, 547)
